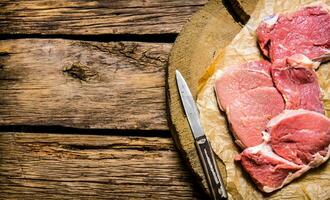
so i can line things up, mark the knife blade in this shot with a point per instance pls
(205, 152)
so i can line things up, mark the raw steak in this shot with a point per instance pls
(268, 170)
(304, 32)
(300, 136)
(247, 95)
(296, 141)
(239, 79)
(249, 114)
(297, 82)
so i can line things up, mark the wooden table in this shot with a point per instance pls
(82, 100)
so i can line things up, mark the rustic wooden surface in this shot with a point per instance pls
(83, 84)
(57, 166)
(95, 17)
(82, 99)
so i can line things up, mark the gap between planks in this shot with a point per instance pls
(80, 131)
(152, 38)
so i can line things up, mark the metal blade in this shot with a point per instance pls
(189, 106)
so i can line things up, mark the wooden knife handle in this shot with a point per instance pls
(211, 171)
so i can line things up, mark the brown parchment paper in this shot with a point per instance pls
(315, 184)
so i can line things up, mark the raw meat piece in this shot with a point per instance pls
(300, 136)
(298, 84)
(239, 79)
(304, 32)
(268, 170)
(247, 95)
(249, 114)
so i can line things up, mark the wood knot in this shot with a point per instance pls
(81, 72)
(3, 56)
(4, 53)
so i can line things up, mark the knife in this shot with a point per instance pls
(205, 153)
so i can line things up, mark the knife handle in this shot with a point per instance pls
(211, 171)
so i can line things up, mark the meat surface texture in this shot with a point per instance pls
(300, 136)
(249, 114)
(247, 94)
(268, 170)
(304, 32)
(294, 142)
(239, 79)
(298, 84)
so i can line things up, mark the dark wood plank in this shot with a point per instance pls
(95, 17)
(50, 166)
(115, 85)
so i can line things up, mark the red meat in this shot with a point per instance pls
(247, 95)
(238, 79)
(268, 170)
(249, 115)
(304, 32)
(300, 136)
(298, 84)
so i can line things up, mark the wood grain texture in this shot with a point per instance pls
(96, 16)
(50, 166)
(200, 41)
(115, 85)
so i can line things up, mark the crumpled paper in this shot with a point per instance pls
(315, 184)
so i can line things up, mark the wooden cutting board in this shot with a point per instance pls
(201, 39)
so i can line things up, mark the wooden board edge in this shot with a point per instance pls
(242, 9)
(211, 11)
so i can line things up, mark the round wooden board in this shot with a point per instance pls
(202, 38)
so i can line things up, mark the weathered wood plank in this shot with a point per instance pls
(95, 17)
(51, 166)
(115, 85)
